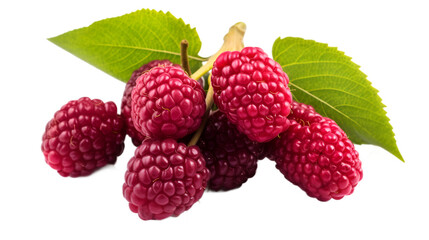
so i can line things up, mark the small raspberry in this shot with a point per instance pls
(230, 155)
(166, 103)
(253, 91)
(84, 135)
(164, 178)
(316, 155)
(135, 135)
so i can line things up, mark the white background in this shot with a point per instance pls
(387, 38)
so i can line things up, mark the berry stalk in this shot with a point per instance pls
(233, 41)
(209, 104)
(184, 56)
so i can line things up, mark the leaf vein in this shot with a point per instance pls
(339, 90)
(315, 62)
(332, 107)
(284, 51)
(360, 108)
(328, 75)
(149, 50)
(302, 53)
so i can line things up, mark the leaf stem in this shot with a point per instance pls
(233, 41)
(184, 56)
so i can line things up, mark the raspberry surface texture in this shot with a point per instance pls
(84, 135)
(166, 103)
(316, 155)
(230, 155)
(135, 135)
(164, 178)
(252, 90)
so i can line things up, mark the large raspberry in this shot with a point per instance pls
(230, 155)
(253, 91)
(315, 154)
(166, 103)
(135, 135)
(164, 178)
(84, 135)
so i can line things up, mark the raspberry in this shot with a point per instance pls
(166, 103)
(299, 111)
(316, 155)
(230, 155)
(84, 135)
(253, 91)
(164, 178)
(262, 151)
(135, 135)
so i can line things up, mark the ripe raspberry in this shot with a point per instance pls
(315, 154)
(84, 135)
(262, 153)
(230, 155)
(135, 135)
(253, 91)
(166, 103)
(164, 178)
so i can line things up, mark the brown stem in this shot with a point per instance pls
(184, 56)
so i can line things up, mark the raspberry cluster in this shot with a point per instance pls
(162, 108)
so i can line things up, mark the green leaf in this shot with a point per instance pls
(327, 79)
(122, 44)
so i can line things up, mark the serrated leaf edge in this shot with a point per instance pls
(148, 12)
(357, 67)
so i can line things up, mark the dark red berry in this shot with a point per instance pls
(164, 178)
(230, 155)
(252, 90)
(166, 103)
(315, 154)
(262, 151)
(135, 135)
(84, 135)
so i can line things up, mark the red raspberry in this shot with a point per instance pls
(230, 155)
(84, 135)
(135, 135)
(262, 151)
(315, 154)
(164, 178)
(253, 91)
(299, 111)
(166, 103)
